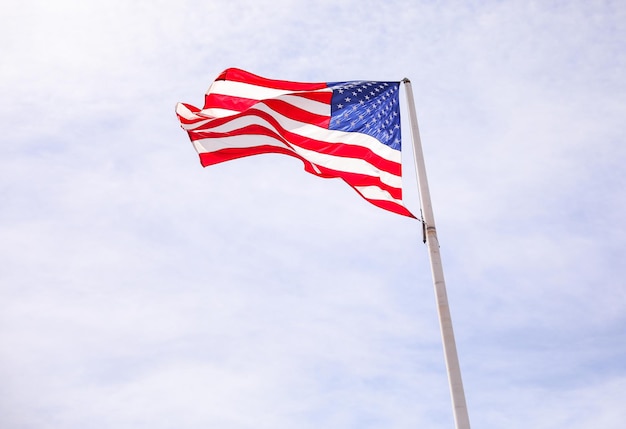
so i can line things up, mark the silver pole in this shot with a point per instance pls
(461, 417)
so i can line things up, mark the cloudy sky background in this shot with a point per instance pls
(139, 290)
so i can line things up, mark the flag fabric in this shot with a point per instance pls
(349, 130)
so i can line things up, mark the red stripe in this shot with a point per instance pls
(224, 155)
(355, 179)
(248, 130)
(194, 110)
(320, 96)
(211, 158)
(297, 114)
(352, 179)
(291, 111)
(391, 206)
(219, 101)
(335, 149)
(238, 75)
(280, 106)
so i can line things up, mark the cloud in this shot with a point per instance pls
(140, 290)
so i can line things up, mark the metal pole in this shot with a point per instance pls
(461, 417)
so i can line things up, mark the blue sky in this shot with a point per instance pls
(139, 290)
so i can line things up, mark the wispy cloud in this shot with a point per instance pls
(140, 290)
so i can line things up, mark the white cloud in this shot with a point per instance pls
(140, 290)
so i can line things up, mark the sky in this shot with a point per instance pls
(140, 290)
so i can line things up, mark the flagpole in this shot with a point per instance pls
(459, 406)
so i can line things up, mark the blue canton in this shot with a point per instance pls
(371, 108)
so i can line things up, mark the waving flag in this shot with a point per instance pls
(349, 130)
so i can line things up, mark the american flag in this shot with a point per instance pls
(349, 130)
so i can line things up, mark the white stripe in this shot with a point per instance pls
(376, 193)
(322, 134)
(215, 144)
(247, 90)
(192, 127)
(237, 123)
(200, 118)
(184, 111)
(349, 165)
(316, 107)
(340, 163)
(218, 113)
(332, 136)
(353, 138)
